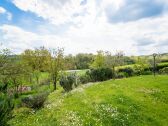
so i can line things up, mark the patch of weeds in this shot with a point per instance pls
(109, 115)
(71, 118)
(157, 94)
(160, 96)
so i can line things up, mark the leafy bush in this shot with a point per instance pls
(100, 74)
(85, 79)
(128, 71)
(164, 60)
(138, 69)
(161, 66)
(45, 81)
(147, 72)
(68, 81)
(120, 75)
(6, 105)
(164, 70)
(35, 101)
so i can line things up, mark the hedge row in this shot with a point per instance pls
(161, 66)
(102, 74)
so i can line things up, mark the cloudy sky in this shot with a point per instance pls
(136, 27)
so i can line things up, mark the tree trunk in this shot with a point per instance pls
(114, 72)
(55, 84)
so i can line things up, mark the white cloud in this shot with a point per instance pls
(18, 40)
(4, 11)
(9, 16)
(96, 36)
(56, 11)
(91, 30)
(123, 36)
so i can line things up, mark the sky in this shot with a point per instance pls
(136, 27)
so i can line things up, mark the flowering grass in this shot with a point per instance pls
(135, 101)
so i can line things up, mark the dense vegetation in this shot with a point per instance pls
(27, 79)
(135, 101)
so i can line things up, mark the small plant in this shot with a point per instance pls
(128, 71)
(6, 105)
(36, 101)
(85, 79)
(69, 81)
(120, 75)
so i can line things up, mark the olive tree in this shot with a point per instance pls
(56, 64)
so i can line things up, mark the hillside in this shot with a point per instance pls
(135, 101)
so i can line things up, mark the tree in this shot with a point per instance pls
(56, 64)
(6, 104)
(70, 62)
(99, 60)
(82, 61)
(119, 58)
(142, 63)
(37, 61)
(112, 61)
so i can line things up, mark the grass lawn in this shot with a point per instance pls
(135, 101)
(78, 72)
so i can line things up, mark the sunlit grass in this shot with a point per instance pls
(135, 101)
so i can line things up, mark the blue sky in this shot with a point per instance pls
(136, 27)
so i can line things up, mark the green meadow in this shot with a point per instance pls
(134, 101)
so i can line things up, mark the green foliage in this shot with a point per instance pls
(135, 69)
(99, 60)
(85, 78)
(100, 74)
(161, 65)
(69, 81)
(35, 101)
(38, 59)
(139, 69)
(134, 101)
(56, 64)
(6, 105)
(128, 71)
(120, 75)
(164, 70)
(82, 61)
(128, 60)
(70, 62)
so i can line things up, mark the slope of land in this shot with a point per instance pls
(135, 101)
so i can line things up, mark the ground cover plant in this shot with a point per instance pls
(134, 101)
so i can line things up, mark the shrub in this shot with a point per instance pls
(100, 74)
(85, 79)
(120, 75)
(164, 60)
(147, 72)
(69, 81)
(161, 66)
(128, 71)
(65, 83)
(6, 105)
(35, 101)
(45, 82)
(137, 70)
(164, 70)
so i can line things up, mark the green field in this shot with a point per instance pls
(135, 101)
